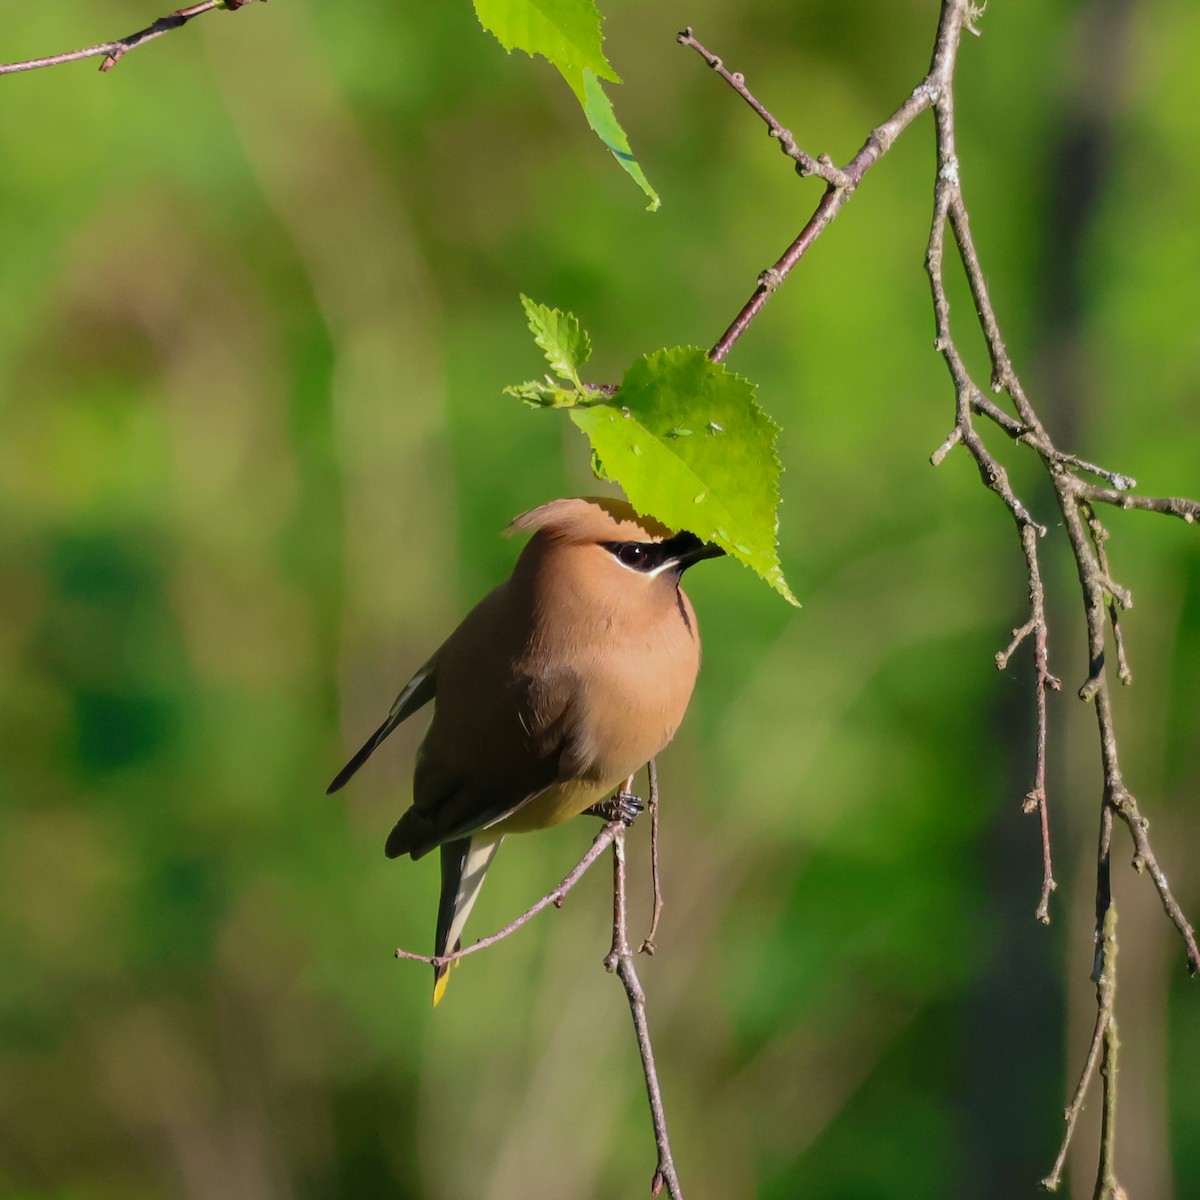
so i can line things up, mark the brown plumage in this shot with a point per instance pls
(557, 686)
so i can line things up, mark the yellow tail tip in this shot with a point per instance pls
(439, 987)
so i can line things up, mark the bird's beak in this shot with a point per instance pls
(686, 549)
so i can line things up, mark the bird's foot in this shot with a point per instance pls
(624, 807)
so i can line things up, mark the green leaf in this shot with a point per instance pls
(600, 116)
(567, 32)
(689, 444)
(544, 393)
(563, 341)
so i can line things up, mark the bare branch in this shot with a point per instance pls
(1104, 1041)
(1102, 597)
(1126, 807)
(1120, 598)
(1171, 506)
(1087, 538)
(113, 52)
(841, 185)
(1119, 482)
(620, 961)
(555, 897)
(806, 165)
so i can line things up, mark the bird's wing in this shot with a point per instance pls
(457, 793)
(465, 808)
(417, 692)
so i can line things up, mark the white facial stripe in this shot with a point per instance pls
(664, 566)
(625, 566)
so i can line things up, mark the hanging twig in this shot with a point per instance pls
(1103, 1050)
(648, 946)
(1076, 497)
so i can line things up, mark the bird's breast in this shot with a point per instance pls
(634, 684)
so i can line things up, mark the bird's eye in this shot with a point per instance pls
(631, 554)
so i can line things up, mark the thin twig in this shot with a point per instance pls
(1119, 597)
(1103, 1039)
(648, 946)
(1119, 482)
(949, 210)
(878, 142)
(1107, 1187)
(620, 960)
(806, 165)
(1144, 860)
(1086, 538)
(113, 52)
(1171, 506)
(1044, 682)
(555, 897)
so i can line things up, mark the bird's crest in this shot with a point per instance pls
(590, 519)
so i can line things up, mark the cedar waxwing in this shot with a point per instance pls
(559, 685)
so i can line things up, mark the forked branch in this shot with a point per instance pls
(1076, 496)
(556, 897)
(620, 961)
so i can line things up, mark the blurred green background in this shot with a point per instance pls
(258, 298)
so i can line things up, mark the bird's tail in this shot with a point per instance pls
(464, 864)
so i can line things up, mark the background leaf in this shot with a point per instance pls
(690, 445)
(253, 469)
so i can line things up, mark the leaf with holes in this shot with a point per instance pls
(689, 444)
(566, 32)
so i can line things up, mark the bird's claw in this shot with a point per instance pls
(624, 807)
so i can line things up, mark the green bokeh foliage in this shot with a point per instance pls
(258, 298)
